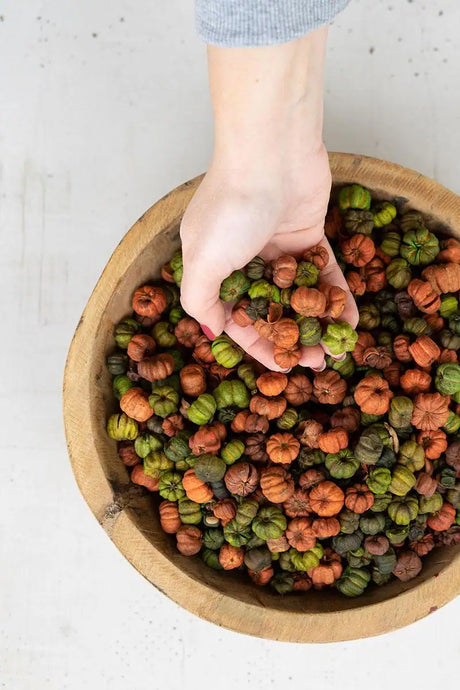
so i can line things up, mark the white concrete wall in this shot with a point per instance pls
(103, 109)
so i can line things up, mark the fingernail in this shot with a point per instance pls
(207, 331)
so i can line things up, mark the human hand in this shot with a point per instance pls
(267, 188)
(225, 226)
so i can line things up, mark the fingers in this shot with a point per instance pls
(262, 350)
(203, 275)
(337, 358)
(350, 312)
(313, 357)
(200, 297)
(333, 275)
(259, 348)
(201, 280)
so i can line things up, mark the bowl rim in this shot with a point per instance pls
(197, 597)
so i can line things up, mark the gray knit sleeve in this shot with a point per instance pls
(248, 23)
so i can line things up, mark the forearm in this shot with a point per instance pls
(267, 188)
(267, 101)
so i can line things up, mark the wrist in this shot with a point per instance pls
(271, 153)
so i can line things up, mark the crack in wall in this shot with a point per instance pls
(123, 497)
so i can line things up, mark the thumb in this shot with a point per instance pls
(200, 294)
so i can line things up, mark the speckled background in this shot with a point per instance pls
(103, 109)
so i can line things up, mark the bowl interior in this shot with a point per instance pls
(106, 486)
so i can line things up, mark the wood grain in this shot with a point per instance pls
(130, 517)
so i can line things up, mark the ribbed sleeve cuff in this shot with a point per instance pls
(250, 23)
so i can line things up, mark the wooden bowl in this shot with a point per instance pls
(129, 515)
